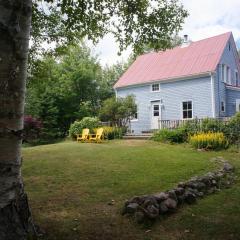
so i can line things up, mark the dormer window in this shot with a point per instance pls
(155, 87)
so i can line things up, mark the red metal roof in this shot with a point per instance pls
(199, 57)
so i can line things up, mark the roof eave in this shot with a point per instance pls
(166, 80)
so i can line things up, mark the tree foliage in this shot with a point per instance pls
(137, 22)
(118, 111)
(69, 87)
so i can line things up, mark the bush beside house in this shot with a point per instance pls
(207, 134)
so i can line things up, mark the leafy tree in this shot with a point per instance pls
(138, 22)
(118, 110)
(64, 89)
(110, 74)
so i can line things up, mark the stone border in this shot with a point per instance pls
(152, 206)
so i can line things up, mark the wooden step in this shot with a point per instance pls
(135, 136)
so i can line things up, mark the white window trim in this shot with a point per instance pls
(235, 77)
(223, 73)
(135, 119)
(155, 84)
(229, 77)
(182, 109)
(237, 104)
(224, 104)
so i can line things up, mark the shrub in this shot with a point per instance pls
(212, 125)
(214, 141)
(113, 132)
(171, 136)
(32, 129)
(232, 130)
(87, 122)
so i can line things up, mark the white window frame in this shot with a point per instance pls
(224, 106)
(224, 73)
(237, 105)
(236, 76)
(134, 119)
(186, 110)
(155, 85)
(229, 80)
(159, 109)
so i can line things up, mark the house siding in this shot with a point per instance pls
(221, 93)
(232, 95)
(172, 94)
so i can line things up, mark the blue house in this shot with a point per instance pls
(196, 80)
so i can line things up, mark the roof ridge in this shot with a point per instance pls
(193, 42)
(200, 56)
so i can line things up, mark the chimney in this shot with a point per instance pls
(186, 41)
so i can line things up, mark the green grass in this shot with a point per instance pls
(70, 185)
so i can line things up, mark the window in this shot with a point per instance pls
(155, 87)
(222, 106)
(187, 109)
(223, 73)
(236, 77)
(229, 46)
(228, 75)
(135, 116)
(156, 110)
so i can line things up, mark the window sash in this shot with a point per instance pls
(222, 106)
(187, 109)
(155, 87)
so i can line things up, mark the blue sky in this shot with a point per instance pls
(207, 18)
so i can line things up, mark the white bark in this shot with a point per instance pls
(15, 21)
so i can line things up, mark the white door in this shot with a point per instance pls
(237, 105)
(155, 115)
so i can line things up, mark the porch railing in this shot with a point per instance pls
(173, 124)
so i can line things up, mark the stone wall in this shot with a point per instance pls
(152, 206)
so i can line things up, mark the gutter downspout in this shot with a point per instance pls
(213, 95)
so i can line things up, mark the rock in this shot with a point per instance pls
(181, 199)
(170, 203)
(163, 208)
(227, 167)
(132, 207)
(152, 211)
(200, 194)
(139, 217)
(150, 201)
(161, 196)
(172, 195)
(189, 197)
(179, 191)
(181, 184)
(201, 186)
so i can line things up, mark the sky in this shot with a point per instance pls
(207, 18)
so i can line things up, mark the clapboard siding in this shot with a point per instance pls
(232, 95)
(172, 94)
(228, 58)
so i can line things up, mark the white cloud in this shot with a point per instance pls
(211, 17)
(207, 18)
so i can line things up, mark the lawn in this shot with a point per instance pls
(70, 186)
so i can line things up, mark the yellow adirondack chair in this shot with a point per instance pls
(84, 136)
(97, 137)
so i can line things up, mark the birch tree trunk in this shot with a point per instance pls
(15, 22)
